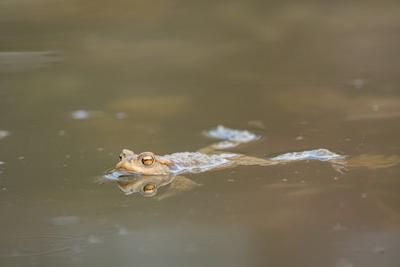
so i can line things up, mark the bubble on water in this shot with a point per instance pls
(358, 83)
(93, 240)
(379, 250)
(2, 162)
(122, 231)
(4, 134)
(80, 114)
(62, 133)
(86, 114)
(231, 180)
(299, 138)
(120, 115)
(375, 107)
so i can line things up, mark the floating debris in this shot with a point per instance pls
(4, 134)
(224, 133)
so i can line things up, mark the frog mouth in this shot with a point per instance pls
(115, 174)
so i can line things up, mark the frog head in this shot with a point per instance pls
(146, 163)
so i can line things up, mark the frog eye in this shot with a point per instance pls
(149, 190)
(147, 160)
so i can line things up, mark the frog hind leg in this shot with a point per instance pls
(244, 160)
(373, 161)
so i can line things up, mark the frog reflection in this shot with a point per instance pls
(152, 171)
(159, 186)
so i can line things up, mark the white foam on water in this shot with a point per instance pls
(4, 134)
(316, 154)
(80, 114)
(224, 133)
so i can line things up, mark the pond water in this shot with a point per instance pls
(81, 80)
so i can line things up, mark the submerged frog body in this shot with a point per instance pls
(148, 163)
(150, 171)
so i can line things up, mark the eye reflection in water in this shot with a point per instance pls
(150, 185)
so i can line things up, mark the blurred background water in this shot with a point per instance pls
(80, 80)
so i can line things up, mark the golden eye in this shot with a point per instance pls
(149, 190)
(147, 160)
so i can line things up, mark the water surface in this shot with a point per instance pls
(80, 80)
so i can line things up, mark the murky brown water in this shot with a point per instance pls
(153, 76)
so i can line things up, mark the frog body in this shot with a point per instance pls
(149, 171)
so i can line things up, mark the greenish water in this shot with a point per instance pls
(152, 77)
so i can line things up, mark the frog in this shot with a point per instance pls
(146, 172)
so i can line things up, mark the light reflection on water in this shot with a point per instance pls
(153, 76)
